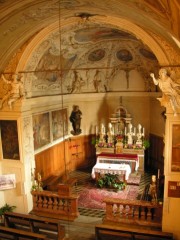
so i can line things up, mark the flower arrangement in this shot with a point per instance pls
(109, 145)
(119, 138)
(100, 144)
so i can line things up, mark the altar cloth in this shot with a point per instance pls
(108, 158)
(120, 169)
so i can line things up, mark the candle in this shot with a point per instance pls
(134, 131)
(153, 178)
(158, 173)
(112, 130)
(125, 131)
(96, 130)
(143, 131)
(102, 128)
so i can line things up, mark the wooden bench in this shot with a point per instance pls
(36, 224)
(11, 233)
(129, 232)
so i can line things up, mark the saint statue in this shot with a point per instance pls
(75, 119)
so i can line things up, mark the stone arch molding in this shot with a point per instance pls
(49, 37)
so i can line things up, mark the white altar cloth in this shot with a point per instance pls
(120, 169)
(111, 160)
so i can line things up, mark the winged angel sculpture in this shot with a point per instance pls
(169, 88)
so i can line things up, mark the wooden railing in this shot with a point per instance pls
(136, 212)
(51, 204)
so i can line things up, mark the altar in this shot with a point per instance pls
(121, 141)
(122, 170)
(120, 164)
(135, 157)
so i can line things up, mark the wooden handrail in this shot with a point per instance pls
(138, 212)
(51, 204)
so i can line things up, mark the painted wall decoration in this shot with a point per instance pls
(9, 139)
(59, 123)
(83, 52)
(7, 181)
(41, 130)
(175, 162)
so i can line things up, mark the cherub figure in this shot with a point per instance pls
(170, 89)
(16, 91)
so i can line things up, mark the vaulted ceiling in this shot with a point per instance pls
(44, 36)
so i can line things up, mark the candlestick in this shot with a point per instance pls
(158, 173)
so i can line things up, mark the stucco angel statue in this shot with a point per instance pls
(169, 88)
(15, 92)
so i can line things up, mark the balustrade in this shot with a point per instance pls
(138, 211)
(46, 203)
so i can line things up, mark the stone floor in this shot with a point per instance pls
(82, 228)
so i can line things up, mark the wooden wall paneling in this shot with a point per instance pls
(59, 156)
(156, 153)
(90, 151)
(76, 152)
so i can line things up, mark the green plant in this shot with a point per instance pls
(146, 144)
(94, 141)
(110, 181)
(6, 208)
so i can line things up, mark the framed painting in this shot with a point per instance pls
(9, 139)
(175, 155)
(41, 130)
(7, 181)
(59, 123)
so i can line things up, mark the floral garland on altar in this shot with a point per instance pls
(121, 139)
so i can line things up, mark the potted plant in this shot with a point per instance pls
(110, 181)
(4, 209)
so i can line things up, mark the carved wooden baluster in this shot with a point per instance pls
(115, 211)
(40, 201)
(130, 211)
(45, 202)
(136, 212)
(55, 203)
(151, 214)
(50, 202)
(123, 210)
(63, 204)
(143, 212)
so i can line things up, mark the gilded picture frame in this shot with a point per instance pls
(59, 123)
(175, 154)
(9, 139)
(41, 130)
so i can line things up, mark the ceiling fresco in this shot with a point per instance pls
(91, 60)
(97, 46)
